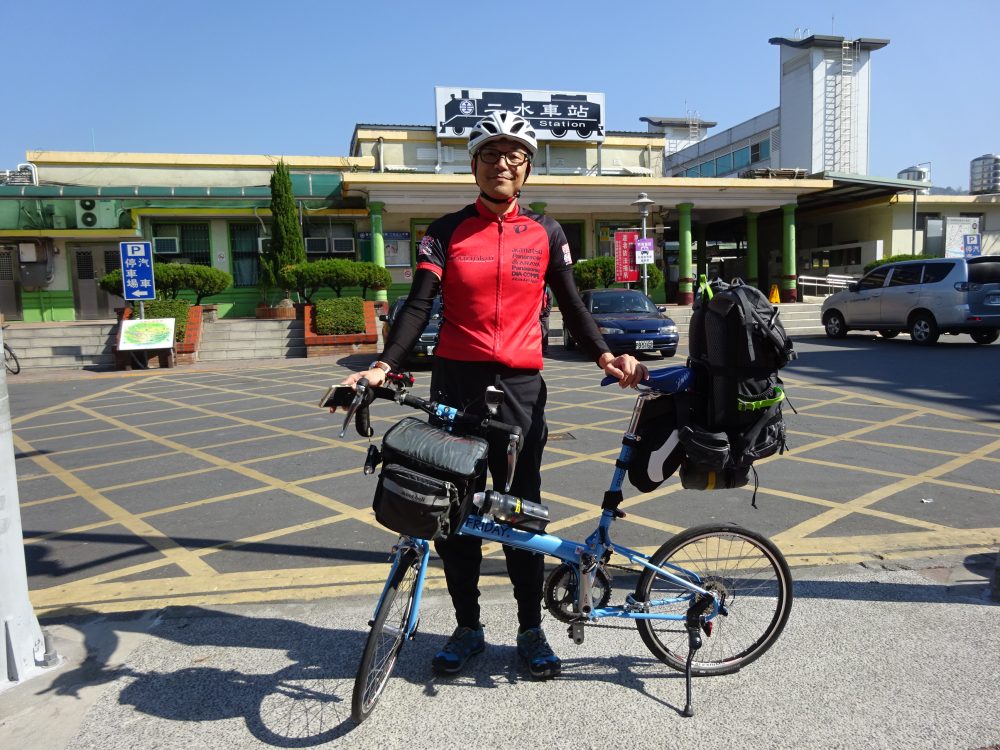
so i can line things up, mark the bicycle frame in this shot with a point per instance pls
(579, 555)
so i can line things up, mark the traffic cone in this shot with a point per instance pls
(774, 298)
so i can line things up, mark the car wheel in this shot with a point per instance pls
(889, 333)
(924, 330)
(568, 343)
(835, 326)
(985, 337)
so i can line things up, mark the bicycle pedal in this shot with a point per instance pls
(575, 631)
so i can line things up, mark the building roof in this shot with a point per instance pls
(851, 188)
(823, 40)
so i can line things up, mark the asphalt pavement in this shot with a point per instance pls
(231, 610)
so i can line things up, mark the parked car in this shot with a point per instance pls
(424, 348)
(925, 298)
(629, 322)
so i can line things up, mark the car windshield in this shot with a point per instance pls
(622, 302)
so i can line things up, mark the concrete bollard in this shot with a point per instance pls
(995, 581)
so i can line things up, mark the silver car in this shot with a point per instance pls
(925, 297)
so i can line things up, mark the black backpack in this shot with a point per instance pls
(737, 345)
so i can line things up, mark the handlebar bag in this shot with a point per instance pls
(427, 480)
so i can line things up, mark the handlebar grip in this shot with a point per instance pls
(362, 422)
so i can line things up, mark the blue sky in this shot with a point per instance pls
(290, 77)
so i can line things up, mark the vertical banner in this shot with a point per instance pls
(625, 267)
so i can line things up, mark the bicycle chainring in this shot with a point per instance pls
(560, 592)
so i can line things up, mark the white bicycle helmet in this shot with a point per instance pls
(502, 124)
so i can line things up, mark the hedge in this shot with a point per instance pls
(170, 308)
(340, 315)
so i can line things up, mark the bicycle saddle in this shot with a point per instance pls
(665, 380)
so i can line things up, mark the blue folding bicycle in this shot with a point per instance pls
(709, 601)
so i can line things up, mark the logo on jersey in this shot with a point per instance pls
(426, 248)
(520, 228)
(567, 255)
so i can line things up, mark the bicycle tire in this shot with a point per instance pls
(10, 360)
(750, 573)
(385, 639)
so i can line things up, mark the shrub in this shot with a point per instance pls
(894, 258)
(595, 273)
(339, 316)
(372, 276)
(205, 281)
(339, 273)
(170, 278)
(170, 308)
(304, 278)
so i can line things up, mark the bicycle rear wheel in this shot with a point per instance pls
(10, 360)
(750, 576)
(386, 636)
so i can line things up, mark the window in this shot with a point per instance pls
(906, 275)
(874, 280)
(724, 164)
(693, 172)
(934, 272)
(765, 149)
(754, 152)
(195, 246)
(708, 169)
(741, 158)
(339, 239)
(246, 259)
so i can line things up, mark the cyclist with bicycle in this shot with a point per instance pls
(490, 262)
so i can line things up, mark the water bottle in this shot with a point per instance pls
(512, 510)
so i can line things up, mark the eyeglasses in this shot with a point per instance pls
(513, 158)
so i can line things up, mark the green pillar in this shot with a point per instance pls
(538, 207)
(788, 286)
(375, 209)
(752, 260)
(685, 289)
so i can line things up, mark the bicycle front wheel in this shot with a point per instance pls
(10, 360)
(386, 636)
(751, 579)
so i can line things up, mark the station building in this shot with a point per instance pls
(800, 204)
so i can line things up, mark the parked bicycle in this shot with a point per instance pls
(709, 601)
(10, 360)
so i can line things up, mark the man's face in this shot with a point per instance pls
(501, 180)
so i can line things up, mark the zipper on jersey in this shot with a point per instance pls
(497, 319)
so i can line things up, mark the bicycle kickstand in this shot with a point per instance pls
(694, 623)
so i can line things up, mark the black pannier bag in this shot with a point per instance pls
(427, 480)
(737, 345)
(657, 451)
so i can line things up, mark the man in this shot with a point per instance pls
(491, 262)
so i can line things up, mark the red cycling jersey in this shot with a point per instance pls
(475, 251)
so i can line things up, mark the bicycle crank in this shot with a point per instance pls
(560, 592)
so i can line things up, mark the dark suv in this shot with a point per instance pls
(925, 298)
(423, 349)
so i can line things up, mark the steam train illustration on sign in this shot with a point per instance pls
(562, 114)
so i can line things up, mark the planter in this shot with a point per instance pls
(266, 312)
(209, 313)
(348, 343)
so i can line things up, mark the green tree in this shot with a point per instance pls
(372, 276)
(205, 281)
(595, 273)
(286, 248)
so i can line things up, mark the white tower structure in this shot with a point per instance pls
(824, 109)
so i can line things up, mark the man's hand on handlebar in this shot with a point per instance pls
(625, 368)
(375, 377)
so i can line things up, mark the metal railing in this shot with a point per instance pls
(828, 284)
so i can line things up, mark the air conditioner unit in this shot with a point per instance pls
(94, 214)
(344, 245)
(166, 245)
(263, 244)
(317, 245)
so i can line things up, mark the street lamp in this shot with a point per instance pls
(644, 202)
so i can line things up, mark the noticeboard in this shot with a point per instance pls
(146, 333)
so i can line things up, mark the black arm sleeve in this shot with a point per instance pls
(575, 316)
(412, 319)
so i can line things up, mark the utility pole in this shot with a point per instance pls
(23, 651)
